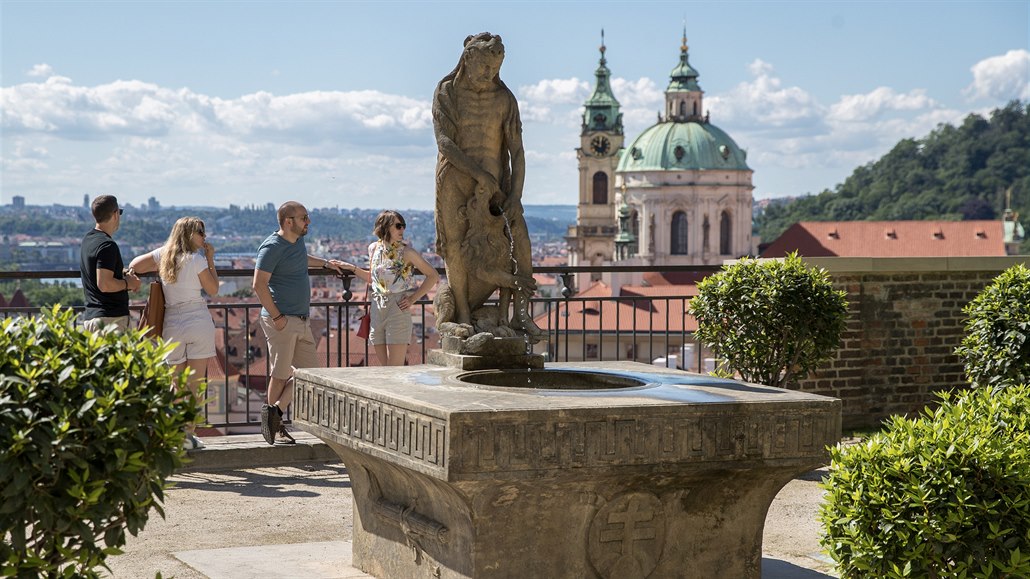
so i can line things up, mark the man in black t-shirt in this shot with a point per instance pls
(105, 282)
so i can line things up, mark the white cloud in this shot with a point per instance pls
(869, 106)
(764, 103)
(1002, 77)
(556, 91)
(41, 70)
(61, 108)
(642, 92)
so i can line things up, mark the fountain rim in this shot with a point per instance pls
(501, 379)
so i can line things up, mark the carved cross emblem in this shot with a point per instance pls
(627, 536)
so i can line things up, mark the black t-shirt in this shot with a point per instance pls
(99, 250)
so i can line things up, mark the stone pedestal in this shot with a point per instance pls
(668, 476)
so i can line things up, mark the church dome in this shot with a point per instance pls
(680, 146)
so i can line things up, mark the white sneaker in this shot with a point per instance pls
(192, 443)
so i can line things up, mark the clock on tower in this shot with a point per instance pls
(600, 145)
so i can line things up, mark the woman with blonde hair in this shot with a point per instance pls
(184, 272)
(392, 265)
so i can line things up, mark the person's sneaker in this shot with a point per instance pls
(191, 442)
(270, 422)
(283, 436)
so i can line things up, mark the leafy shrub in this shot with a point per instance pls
(996, 348)
(944, 495)
(90, 428)
(771, 320)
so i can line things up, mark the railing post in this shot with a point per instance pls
(566, 293)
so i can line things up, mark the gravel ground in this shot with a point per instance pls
(309, 503)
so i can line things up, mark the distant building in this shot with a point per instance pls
(680, 194)
(153, 204)
(18, 202)
(897, 239)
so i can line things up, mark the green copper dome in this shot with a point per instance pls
(679, 146)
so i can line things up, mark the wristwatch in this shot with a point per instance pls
(325, 264)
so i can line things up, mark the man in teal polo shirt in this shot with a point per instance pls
(283, 286)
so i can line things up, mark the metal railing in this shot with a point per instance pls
(593, 328)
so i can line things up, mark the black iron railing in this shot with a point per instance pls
(589, 328)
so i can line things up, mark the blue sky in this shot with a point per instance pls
(218, 103)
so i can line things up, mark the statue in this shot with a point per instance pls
(480, 230)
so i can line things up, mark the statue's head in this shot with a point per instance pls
(481, 60)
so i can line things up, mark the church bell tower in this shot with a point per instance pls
(592, 240)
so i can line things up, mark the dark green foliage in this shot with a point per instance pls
(943, 495)
(953, 173)
(41, 294)
(770, 320)
(90, 428)
(996, 348)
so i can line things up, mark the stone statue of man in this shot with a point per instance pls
(480, 173)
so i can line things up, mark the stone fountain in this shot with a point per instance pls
(487, 463)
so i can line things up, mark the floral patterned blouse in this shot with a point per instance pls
(390, 275)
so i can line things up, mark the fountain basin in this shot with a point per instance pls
(633, 471)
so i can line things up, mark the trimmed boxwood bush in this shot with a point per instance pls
(90, 428)
(946, 494)
(770, 320)
(996, 348)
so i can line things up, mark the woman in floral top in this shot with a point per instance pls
(392, 265)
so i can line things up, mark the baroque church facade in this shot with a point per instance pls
(679, 194)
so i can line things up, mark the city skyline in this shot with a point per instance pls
(329, 102)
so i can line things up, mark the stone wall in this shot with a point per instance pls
(904, 323)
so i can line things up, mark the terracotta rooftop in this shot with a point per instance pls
(890, 239)
(624, 314)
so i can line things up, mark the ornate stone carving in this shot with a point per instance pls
(415, 435)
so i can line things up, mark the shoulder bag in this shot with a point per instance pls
(152, 319)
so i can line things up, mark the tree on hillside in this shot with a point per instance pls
(955, 172)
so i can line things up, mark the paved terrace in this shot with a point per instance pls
(243, 509)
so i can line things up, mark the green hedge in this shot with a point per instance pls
(90, 428)
(996, 348)
(943, 495)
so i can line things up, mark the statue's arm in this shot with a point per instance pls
(518, 155)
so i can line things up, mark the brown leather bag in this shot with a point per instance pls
(366, 321)
(152, 319)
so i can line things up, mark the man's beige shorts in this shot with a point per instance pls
(292, 347)
(121, 323)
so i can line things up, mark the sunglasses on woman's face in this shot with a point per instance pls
(399, 225)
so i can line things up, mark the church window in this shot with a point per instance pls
(683, 108)
(634, 228)
(724, 233)
(679, 234)
(600, 188)
(695, 108)
(680, 152)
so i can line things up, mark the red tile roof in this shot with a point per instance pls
(890, 239)
(625, 314)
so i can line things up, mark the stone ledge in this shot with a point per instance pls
(251, 451)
